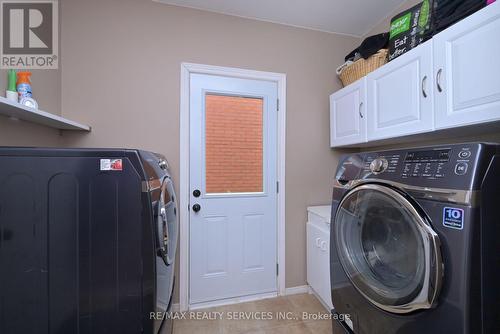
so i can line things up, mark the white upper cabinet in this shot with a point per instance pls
(450, 81)
(467, 70)
(347, 119)
(400, 96)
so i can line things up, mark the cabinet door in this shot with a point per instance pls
(313, 240)
(400, 96)
(467, 70)
(347, 119)
(325, 290)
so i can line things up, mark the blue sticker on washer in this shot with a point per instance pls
(453, 218)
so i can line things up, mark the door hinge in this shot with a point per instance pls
(277, 269)
(277, 187)
(278, 104)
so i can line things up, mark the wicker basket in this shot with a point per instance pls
(362, 67)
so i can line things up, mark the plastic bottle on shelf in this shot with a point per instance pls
(24, 85)
(11, 92)
(24, 90)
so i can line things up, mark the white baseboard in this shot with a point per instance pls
(231, 301)
(288, 291)
(297, 290)
(175, 307)
(325, 305)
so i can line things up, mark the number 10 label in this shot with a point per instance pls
(453, 218)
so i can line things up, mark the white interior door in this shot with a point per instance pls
(233, 213)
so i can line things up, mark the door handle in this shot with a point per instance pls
(196, 193)
(163, 214)
(196, 207)
(360, 112)
(438, 80)
(163, 236)
(424, 82)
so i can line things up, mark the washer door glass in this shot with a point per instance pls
(381, 244)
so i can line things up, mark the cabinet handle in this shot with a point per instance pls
(360, 113)
(323, 246)
(424, 82)
(318, 242)
(438, 80)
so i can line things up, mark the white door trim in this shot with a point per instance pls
(186, 70)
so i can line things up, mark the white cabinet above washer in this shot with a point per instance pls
(347, 119)
(448, 82)
(400, 96)
(467, 70)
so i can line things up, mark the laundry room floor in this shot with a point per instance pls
(300, 313)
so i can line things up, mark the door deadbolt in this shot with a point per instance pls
(196, 193)
(196, 207)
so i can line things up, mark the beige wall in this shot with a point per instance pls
(122, 75)
(19, 133)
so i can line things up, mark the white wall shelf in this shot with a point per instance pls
(18, 111)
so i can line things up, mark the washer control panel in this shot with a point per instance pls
(453, 166)
(429, 164)
(435, 164)
(426, 164)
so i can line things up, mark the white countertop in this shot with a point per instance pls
(323, 211)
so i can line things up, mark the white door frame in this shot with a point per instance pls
(186, 70)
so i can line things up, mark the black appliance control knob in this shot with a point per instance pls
(378, 165)
(196, 207)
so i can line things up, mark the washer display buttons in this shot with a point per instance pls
(461, 168)
(464, 154)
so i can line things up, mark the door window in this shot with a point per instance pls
(233, 144)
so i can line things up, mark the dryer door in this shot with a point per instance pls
(387, 249)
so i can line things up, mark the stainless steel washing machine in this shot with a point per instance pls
(413, 240)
